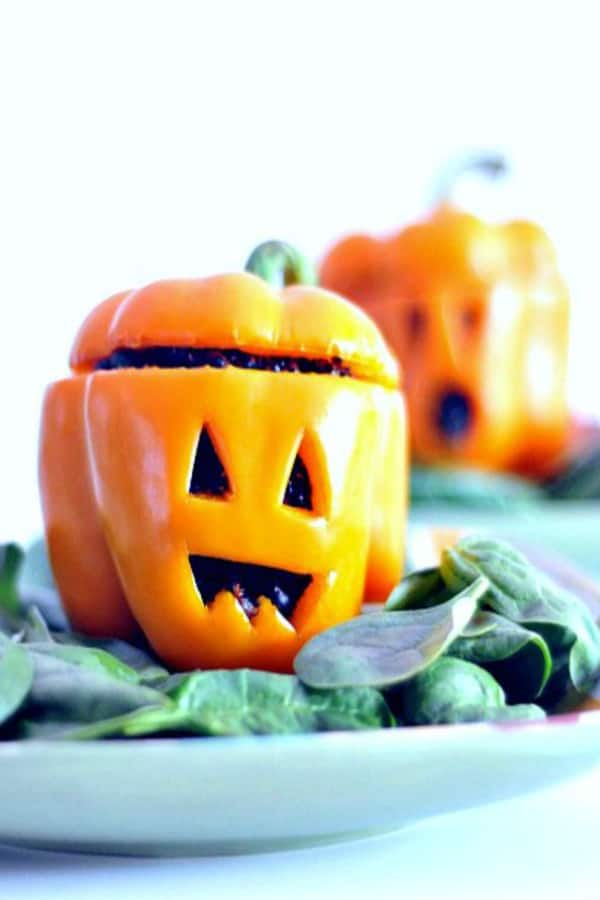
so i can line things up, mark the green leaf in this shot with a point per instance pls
(518, 712)
(580, 480)
(517, 657)
(382, 649)
(11, 558)
(66, 690)
(37, 587)
(88, 657)
(16, 678)
(36, 628)
(418, 591)
(243, 702)
(349, 709)
(146, 666)
(143, 722)
(520, 592)
(453, 690)
(471, 488)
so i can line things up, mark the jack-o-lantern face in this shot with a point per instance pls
(478, 316)
(238, 457)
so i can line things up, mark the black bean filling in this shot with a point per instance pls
(208, 475)
(199, 357)
(298, 492)
(209, 478)
(247, 582)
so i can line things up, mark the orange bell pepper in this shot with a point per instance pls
(478, 315)
(226, 467)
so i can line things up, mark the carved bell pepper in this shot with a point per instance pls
(226, 467)
(478, 315)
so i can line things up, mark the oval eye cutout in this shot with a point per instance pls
(298, 491)
(209, 477)
(416, 322)
(471, 317)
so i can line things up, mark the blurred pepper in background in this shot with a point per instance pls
(478, 315)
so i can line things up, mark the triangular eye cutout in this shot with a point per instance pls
(298, 492)
(208, 475)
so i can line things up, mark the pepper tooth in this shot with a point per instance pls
(268, 616)
(226, 610)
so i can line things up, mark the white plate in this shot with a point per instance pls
(231, 795)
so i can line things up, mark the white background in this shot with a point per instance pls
(140, 140)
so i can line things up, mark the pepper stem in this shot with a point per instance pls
(490, 166)
(280, 264)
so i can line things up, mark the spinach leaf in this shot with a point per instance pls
(36, 627)
(11, 558)
(470, 487)
(16, 678)
(132, 656)
(91, 658)
(246, 701)
(580, 480)
(525, 595)
(350, 709)
(453, 690)
(419, 590)
(65, 690)
(37, 587)
(112, 655)
(382, 649)
(143, 722)
(517, 657)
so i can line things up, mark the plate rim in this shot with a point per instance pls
(398, 734)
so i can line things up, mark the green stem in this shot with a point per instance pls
(280, 264)
(489, 165)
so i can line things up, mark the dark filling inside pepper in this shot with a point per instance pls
(198, 357)
(247, 582)
(454, 415)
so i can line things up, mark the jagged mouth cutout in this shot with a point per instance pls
(249, 582)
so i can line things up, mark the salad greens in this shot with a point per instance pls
(384, 650)
(475, 488)
(521, 593)
(453, 690)
(485, 636)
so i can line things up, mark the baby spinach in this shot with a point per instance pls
(580, 480)
(383, 649)
(131, 656)
(11, 558)
(16, 678)
(517, 657)
(419, 590)
(455, 643)
(453, 690)
(471, 487)
(520, 592)
(350, 709)
(246, 701)
(91, 658)
(64, 690)
(35, 627)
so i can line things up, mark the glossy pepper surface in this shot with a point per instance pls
(225, 469)
(478, 315)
